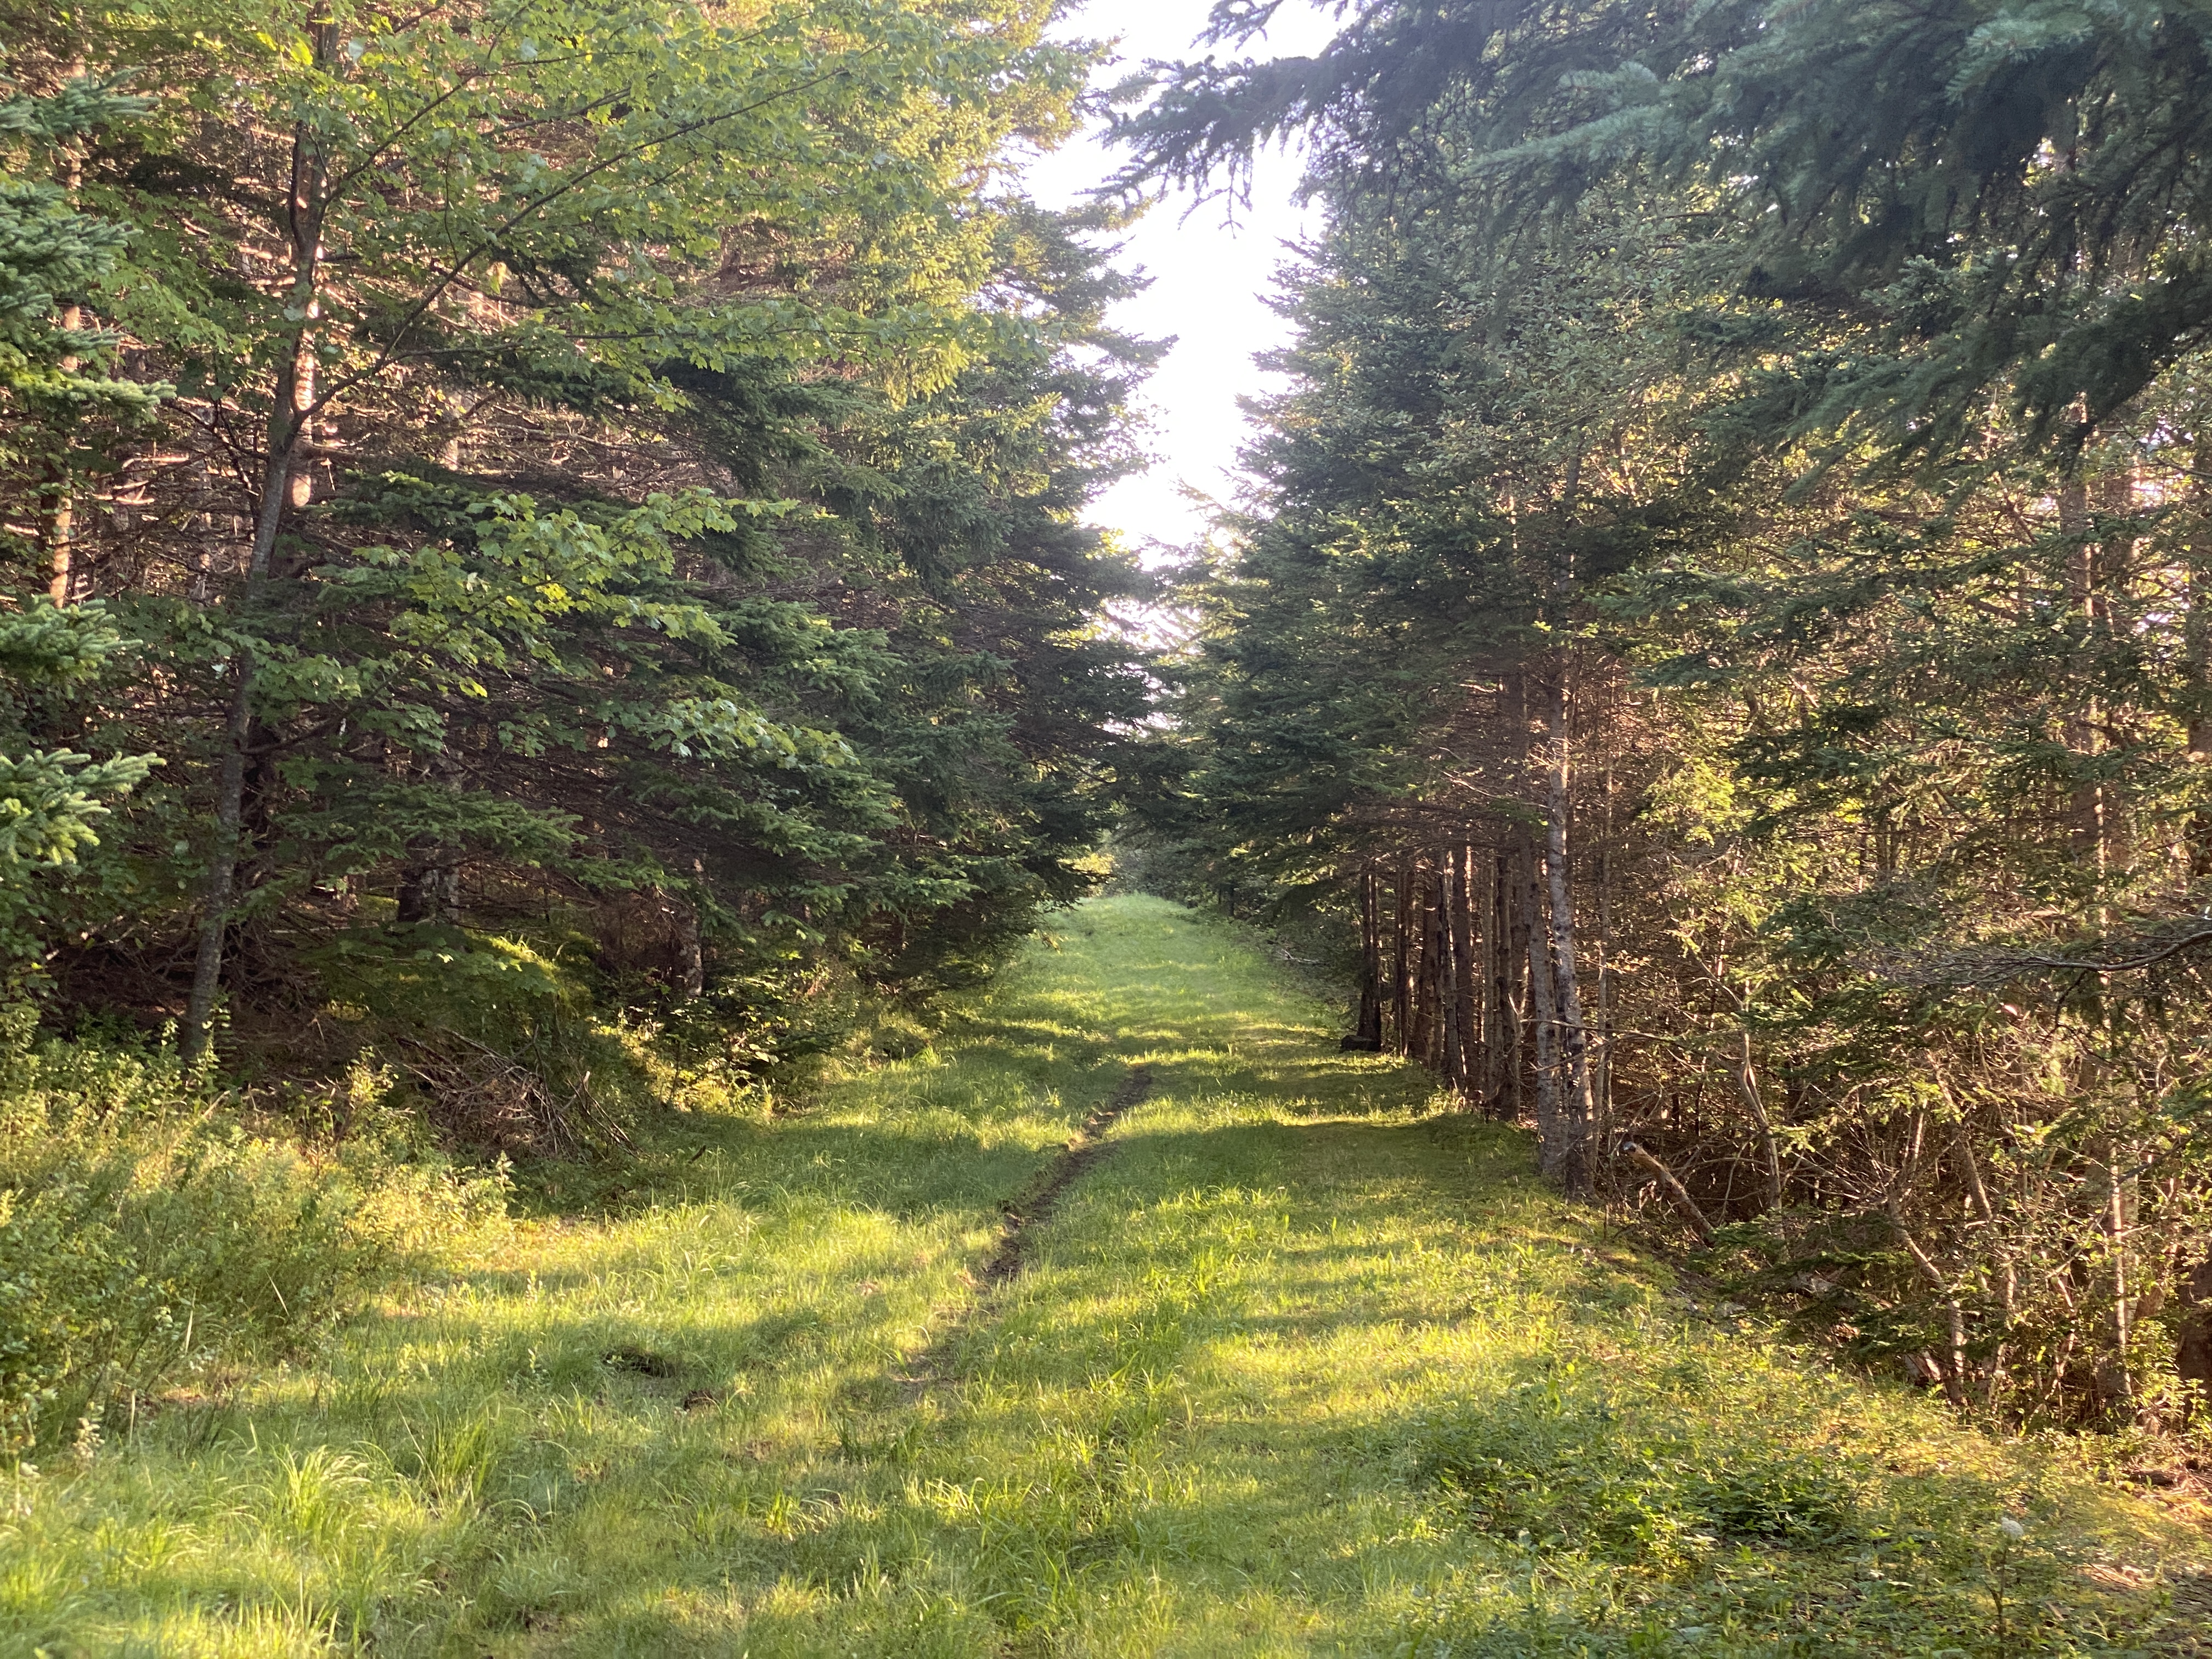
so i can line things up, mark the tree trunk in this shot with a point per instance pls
(2196, 648)
(1519, 904)
(1573, 1042)
(60, 504)
(1446, 977)
(1955, 1373)
(1470, 978)
(289, 414)
(1601, 1069)
(59, 515)
(1746, 1084)
(1429, 996)
(1551, 1149)
(2115, 1378)
(1367, 1035)
(1497, 961)
(1401, 986)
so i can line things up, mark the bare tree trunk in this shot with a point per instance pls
(2093, 568)
(1401, 987)
(1574, 1085)
(289, 416)
(2196, 648)
(59, 517)
(1551, 1150)
(1746, 1085)
(1962, 1141)
(1954, 1373)
(1367, 1035)
(1429, 1000)
(2115, 1379)
(1601, 1080)
(1468, 983)
(1520, 909)
(1452, 969)
(1498, 964)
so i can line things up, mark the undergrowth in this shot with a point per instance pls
(151, 1234)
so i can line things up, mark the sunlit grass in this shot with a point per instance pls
(1299, 1368)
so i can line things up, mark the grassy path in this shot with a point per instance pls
(1289, 1367)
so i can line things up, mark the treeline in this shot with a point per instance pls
(1723, 635)
(541, 583)
(519, 514)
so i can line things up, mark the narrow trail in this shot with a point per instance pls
(1086, 1149)
(1250, 1353)
(935, 1367)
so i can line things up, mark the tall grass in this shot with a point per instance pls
(149, 1237)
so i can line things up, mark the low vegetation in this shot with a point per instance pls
(152, 1231)
(1298, 1363)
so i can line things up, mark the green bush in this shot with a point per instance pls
(146, 1233)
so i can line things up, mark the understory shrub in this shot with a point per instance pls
(150, 1229)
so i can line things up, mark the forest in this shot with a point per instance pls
(1724, 616)
(559, 689)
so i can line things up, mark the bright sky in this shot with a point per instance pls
(1208, 278)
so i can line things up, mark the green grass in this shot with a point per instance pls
(1299, 1367)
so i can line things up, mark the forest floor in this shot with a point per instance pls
(1271, 1359)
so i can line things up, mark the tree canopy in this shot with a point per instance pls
(548, 497)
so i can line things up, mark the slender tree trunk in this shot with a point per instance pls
(2115, 1379)
(1401, 986)
(1551, 1150)
(1367, 1035)
(60, 514)
(2091, 567)
(1451, 968)
(1574, 1085)
(1962, 1142)
(60, 503)
(2196, 648)
(1601, 1076)
(289, 416)
(1429, 997)
(1955, 1373)
(1746, 1084)
(1520, 906)
(1496, 957)
(1466, 985)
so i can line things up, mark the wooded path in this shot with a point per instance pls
(1133, 1318)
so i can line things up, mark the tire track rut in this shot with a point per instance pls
(932, 1367)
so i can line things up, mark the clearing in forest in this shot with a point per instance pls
(1276, 1360)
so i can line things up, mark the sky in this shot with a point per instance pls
(1209, 278)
